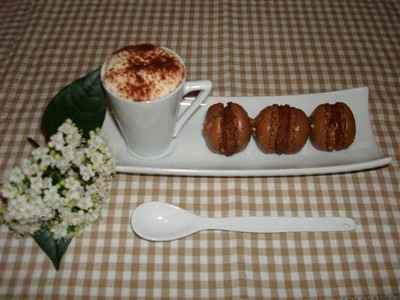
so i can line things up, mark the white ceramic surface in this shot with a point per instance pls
(159, 221)
(190, 156)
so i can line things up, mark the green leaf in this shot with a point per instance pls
(82, 101)
(54, 248)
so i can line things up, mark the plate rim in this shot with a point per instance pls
(336, 169)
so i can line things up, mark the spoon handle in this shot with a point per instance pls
(280, 224)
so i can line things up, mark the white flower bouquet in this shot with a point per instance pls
(58, 190)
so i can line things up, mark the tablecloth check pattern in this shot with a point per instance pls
(245, 48)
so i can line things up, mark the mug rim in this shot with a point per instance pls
(159, 99)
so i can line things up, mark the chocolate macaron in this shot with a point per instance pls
(333, 127)
(227, 129)
(281, 129)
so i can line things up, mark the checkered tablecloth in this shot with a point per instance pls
(244, 48)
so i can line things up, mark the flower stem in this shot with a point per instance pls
(33, 143)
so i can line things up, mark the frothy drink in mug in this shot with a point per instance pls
(143, 72)
(145, 84)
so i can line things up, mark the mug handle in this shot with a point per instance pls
(204, 86)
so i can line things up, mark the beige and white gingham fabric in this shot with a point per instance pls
(244, 48)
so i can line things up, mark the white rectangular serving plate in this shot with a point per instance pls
(190, 155)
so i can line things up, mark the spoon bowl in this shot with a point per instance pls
(159, 221)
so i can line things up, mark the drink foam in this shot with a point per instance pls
(143, 72)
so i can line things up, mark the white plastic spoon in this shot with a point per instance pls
(159, 221)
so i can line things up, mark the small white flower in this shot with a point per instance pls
(29, 167)
(61, 164)
(86, 172)
(16, 176)
(68, 154)
(40, 153)
(79, 157)
(47, 183)
(52, 198)
(57, 141)
(60, 230)
(10, 190)
(85, 202)
(36, 185)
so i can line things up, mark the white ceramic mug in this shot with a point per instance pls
(149, 127)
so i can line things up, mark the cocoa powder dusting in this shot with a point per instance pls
(144, 68)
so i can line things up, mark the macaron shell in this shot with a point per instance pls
(212, 128)
(243, 126)
(266, 128)
(299, 131)
(333, 127)
(281, 129)
(348, 125)
(227, 129)
(319, 128)
(229, 143)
